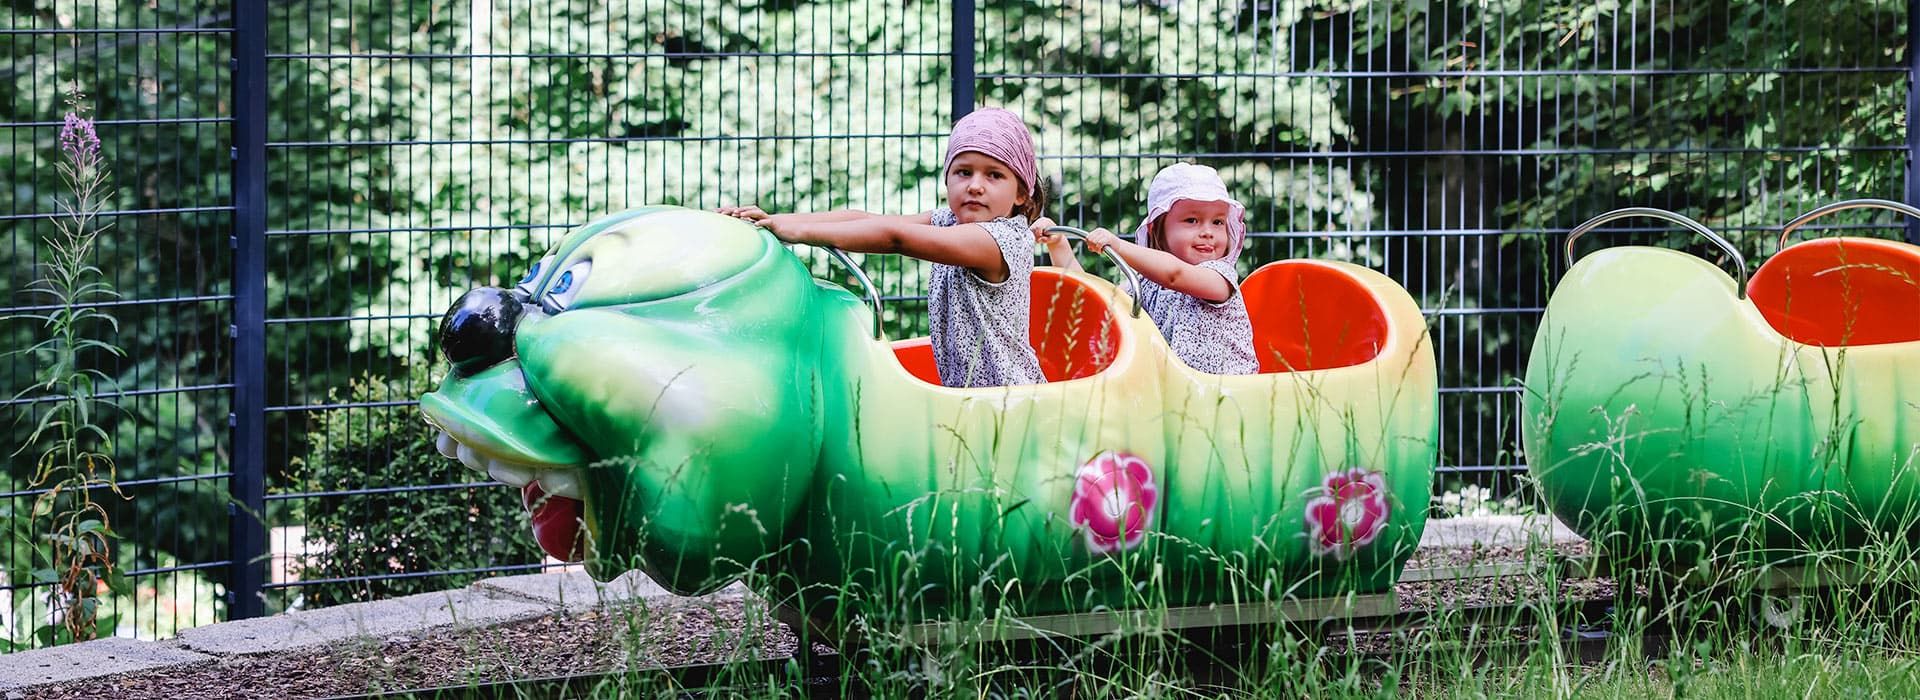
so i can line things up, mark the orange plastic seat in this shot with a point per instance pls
(1841, 291)
(1307, 315)
(916, 354)
(1072, 332)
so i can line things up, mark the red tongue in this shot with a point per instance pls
(556, 523)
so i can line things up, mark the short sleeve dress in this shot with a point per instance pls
(979, 328)
(1213, 338)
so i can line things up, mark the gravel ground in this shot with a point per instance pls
(663, 634)
(1459, 593)
(1438, 558)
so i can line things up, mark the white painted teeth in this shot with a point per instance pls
(470, 458)
(560, 483)
(508, 474)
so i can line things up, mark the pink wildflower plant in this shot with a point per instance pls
(1347, 513)
(79, 140)
(1114, 500)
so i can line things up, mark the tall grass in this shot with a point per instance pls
(1728, 625)
(1725, 635)
(1697, 610)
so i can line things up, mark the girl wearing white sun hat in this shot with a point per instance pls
(1184, 251)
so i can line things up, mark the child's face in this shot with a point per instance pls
(980, 188)
(1197, 231)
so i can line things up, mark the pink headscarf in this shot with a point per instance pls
(1198, 183)
(1000, 135)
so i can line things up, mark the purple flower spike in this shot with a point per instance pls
(78, 139)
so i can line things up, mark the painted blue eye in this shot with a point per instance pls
(526, 283)
(567, 286)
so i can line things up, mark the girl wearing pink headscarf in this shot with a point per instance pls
(979, 244)
(1192, 234)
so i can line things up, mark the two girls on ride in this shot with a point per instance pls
(981, 247)
(1193, 232)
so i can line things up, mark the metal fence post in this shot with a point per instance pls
(246, 531)
(1913, 112)
(962, 58)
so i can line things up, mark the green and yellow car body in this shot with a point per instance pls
(710, 410)
(1674, 415)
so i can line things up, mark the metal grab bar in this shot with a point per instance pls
(1664, 215)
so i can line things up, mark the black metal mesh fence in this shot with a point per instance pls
(416, 149)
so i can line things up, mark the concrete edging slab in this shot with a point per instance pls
(100, 657)
(378, 619)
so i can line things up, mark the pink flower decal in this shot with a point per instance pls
(1349, 512)
(1113, 500)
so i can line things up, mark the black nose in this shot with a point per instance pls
(477, 332)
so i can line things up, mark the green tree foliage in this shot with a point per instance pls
(1722, 109)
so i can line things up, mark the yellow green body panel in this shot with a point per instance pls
(1662, 410)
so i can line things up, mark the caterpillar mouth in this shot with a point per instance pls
(555, 480)
(551, 494)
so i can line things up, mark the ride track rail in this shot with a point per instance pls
(1216, 632)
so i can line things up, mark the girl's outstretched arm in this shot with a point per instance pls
(1059, 249)
(966, 245)
(1164, 268)
(752, 212)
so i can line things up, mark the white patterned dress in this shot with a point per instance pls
(979, 328)
(1213, 338)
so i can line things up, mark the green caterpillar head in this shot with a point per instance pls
(650, 377)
